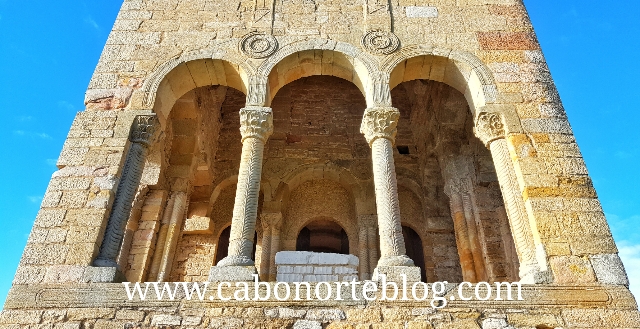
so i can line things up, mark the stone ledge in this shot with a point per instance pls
(113, 295)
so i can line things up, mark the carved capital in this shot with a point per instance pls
(271, 220)
(380, 122)
(489, 127)
(143, 129)
(256, 122)
(458, 186)
(379, 42)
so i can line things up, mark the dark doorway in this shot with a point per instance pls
(223, 245)
(414, 249)
(323, 236)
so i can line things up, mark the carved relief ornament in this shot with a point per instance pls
(380, 122)
(258, 45)
(256, 122)
(489, 127)
(144, 127)
(379, 42)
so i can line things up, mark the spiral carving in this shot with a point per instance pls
(256, 127)
(380, 42)
(392, 245)
(142, 131)
(514, 203)
(258, 45)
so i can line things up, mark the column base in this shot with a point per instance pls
(402, 260)
(533, 275)
(393, 273)
(232, 273)
(236, 261)
(103, 275)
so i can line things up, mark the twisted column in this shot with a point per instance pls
(490, 130)
(256, 125)
(271, 225)
(379, 128)
(452, 190)
(179, 200)
(141, 135)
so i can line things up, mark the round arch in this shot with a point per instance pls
(316, 171)
(459, 69)
(318, 57)
(320, 225)
(176, 77)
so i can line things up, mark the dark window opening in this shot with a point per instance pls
(323, 236)
(403, 149)
(223, 245)
(415, 251)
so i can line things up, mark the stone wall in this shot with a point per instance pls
(303, 266)
(489, 173)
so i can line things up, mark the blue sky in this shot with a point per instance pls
(48, 50)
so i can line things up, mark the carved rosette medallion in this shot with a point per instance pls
(144, 127)
(380, 42)
(256, 122)
(489, 127)
(380, 123)
(258, 45)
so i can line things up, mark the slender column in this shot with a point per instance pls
(364, 253)
(173, 232)
(256, 125)
(271, 225)
(461, 231)
(141, 135)
(474, 237)
(491, 131)
(276, 227)
(372, 243)
(265, 257)
(379, 128)
(162, 239)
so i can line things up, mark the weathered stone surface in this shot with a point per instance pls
(371, 105)
(231, 273)
(303, 257)
(396, 273)
(609, 269)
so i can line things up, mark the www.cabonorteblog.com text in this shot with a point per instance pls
(300, 291)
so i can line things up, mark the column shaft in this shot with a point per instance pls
(141, 134)
(462, 238)
(173, 233)
(256, 125)
(514, 204)
(379, 128)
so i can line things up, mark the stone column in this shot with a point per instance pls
(451, 189)
(363, 251)
(142, 132)
(271, 225)
(490, 130)
(167, 251)
(459, 176)
(379, 128)
(372, 244)
(256, 125)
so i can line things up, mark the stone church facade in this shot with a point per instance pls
(422, 137)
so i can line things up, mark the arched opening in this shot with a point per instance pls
(415, 249)
(223, 245)
(308, 63)
(463, 205)
(323, 235)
